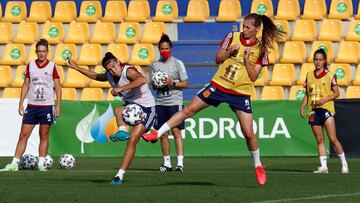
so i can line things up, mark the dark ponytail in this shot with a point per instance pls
(269, 33)
(165, 39)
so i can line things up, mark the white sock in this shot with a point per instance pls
(323, 161)
(15, 161)
(180, 161)
(163, 129)
(167, 161)
(256, 157)
(120, 173)
(41, 160)
(342, 159)
(123, 127)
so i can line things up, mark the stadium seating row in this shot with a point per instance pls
(167, 11)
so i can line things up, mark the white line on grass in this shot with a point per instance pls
(310, 198)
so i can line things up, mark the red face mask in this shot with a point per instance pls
(165, 54)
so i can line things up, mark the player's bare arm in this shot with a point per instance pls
(136, 78)
(91, 74)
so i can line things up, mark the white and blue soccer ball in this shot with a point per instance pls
(28, 161)
(133, 114)
(67, 161)
(48, 162)
(158, 79)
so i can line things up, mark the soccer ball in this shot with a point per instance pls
(28, 161)
(67, 161)
(48, 162)
(133, 114)
(158, 78)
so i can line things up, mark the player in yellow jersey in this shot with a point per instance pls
(241, 57)
(321, 91)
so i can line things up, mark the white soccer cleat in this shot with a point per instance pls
(344, 169)
(322, 170)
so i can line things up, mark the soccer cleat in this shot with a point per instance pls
(120, 135)
(116, 181)
(179, 168)
(344, 169)
(41, 168)
(163, 168)
(321, 170)
(10, 167)
(260, 175)
(151, 137)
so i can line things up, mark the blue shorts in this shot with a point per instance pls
(319, 116)
(150, 115)
(164, 113)
(212, 96)
(39, 115)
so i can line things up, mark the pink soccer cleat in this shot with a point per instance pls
(151, 137)
(260, 175)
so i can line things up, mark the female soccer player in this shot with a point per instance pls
(40, 78)
(321, 91)
(241, 57)
(169, 100)
(128, 83)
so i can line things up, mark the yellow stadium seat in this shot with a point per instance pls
(262, 78)
(53, 32)
(348, 52)
(7, 34)
(229, 11)
(305, 30)
(115, 11)
(78, 33)
(343, 73)
(104, 33)
(305, 68)
(69, 93)
(64, 50)
(352, 92)
(0, 11)
(13, 54)
(92, 94)
(331, 30)
(40, 12)
(341, 9)
(153, 32)
(120, 51)
(5, 76)
(76, 79)
(15, 11)
(314, 9)
(142, 54)
(90, 54)
(354, 31)
(272, 93)
(273, 53)
(90, 11)
(27, 33)
(297, 93)
(262, 7)
(138, 11)
(60, 70)
(357, 76)
(283, 25)
(288, 10)
(33, 56)
(294, 52)
(283, 75)
(197, 11)
(129, 33)
(11, 93)
(253, 95)
(19, 76)
(110, 97)
(95, 83)
(326, 45)
(166, 11)
(65, 12)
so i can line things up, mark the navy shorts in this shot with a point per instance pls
(212, 96)
(150, 115)
(164, 113)
(319, 116)
(39, 115)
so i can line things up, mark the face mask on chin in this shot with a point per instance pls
(165, 54)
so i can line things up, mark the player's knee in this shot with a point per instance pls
(188, 112)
